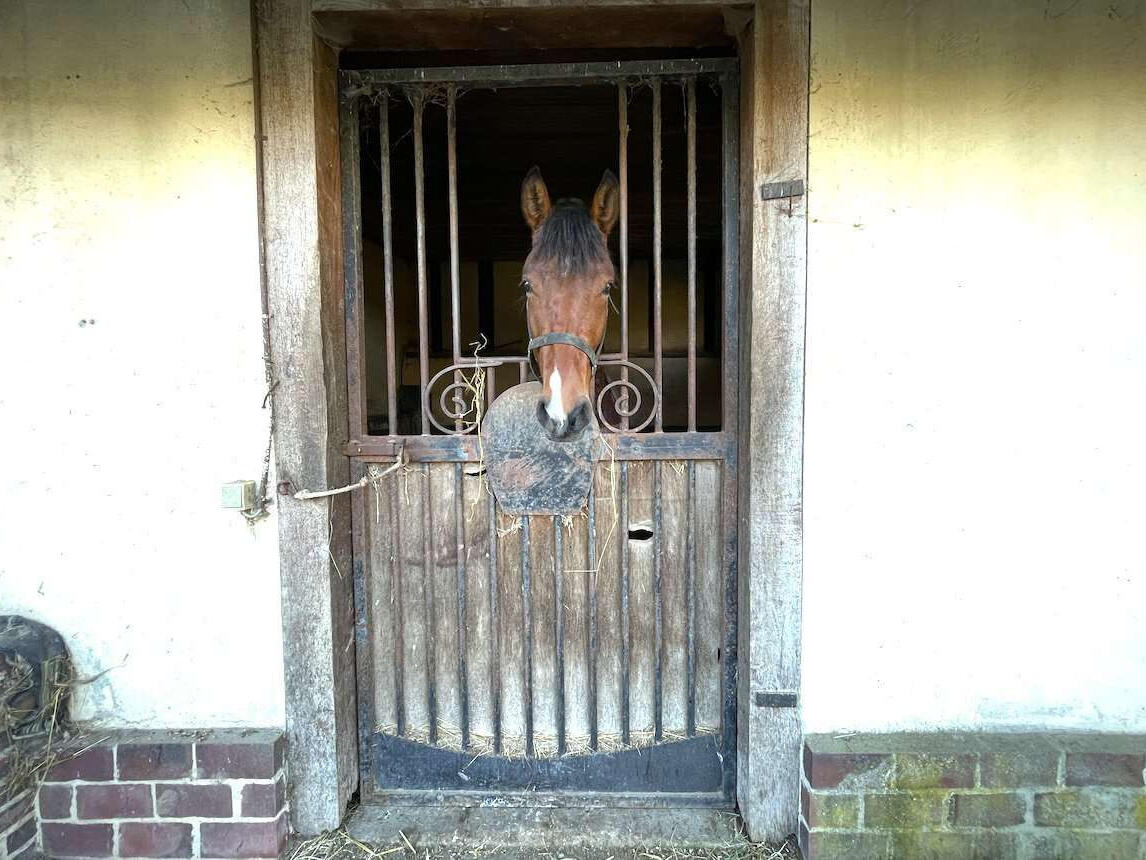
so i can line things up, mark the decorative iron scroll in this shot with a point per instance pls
(458, 400)
(624, 386)
(463, 392)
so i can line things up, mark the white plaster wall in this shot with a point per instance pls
(127, 198)
(975, 457)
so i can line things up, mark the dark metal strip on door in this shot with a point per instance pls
(592, 652)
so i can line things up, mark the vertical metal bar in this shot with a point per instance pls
(419, 104)
(623, 549)
(523, 371)
(559, 628)
(527, 612)
(494, 626)
(428, 573)
(490, 386)
(658, 369)
(690, 603)
(460, 549)
(623, 180)
(350, 159)
(658, 620)
(397, 617)
(730, 365)
(690, 110)
(388, 265)
(452, 159)
(364, 621)
(591, 614)
(350, 162)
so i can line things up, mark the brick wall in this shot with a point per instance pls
(17, 825)
(1033, 796)
(219, 794)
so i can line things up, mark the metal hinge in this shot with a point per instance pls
(780, 190)
(777, 699)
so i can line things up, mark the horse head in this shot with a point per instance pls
(566, 281)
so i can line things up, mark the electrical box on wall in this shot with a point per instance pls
(239, 495)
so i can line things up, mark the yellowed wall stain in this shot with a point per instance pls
(976, 365)
(130, 338)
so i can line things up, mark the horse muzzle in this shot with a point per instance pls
(569, 428)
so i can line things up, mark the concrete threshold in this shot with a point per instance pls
(508, 826)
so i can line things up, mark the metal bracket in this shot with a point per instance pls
(777, 700)
(380, 447)
(780, 190)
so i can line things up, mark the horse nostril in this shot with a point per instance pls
(579, 417)
(543, 415)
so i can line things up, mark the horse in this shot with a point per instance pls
(566, 281)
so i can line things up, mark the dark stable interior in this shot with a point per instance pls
(571, 133)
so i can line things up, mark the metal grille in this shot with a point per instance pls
(541, 653)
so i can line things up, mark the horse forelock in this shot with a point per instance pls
(571, 238)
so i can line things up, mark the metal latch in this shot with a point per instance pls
(777, 699)
(780, 190)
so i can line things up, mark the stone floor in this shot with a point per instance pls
(565, 833)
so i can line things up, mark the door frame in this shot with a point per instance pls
(296, 114)
(394, 762)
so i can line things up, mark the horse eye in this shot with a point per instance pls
(526, 287)
(609, 287)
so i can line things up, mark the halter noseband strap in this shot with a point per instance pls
(561, 337)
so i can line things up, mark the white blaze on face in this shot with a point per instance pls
(556, 405)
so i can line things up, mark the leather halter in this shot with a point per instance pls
(560, 337)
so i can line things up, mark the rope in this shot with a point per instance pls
(366, 481)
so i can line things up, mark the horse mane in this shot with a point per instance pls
(571, 237)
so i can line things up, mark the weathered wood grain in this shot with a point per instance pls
(475, 512)
(642, 602)
(302, 243)
(443, 548)
(610, 542)
(512, 626)
(775, 110)
(544, 646)
(383, 609)
(710, 586)
(674, 603)
(412, 495)
(575, 596)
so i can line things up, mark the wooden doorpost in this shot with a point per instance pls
(774, 161)
(297, 116)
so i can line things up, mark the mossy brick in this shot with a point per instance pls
(1058, 844)
(969, 845)
(1034, 769)
(988, 810)
(1092, 808)
(905, 810)
(1090, 768)
(849, 771)
(924, 770)
(839, 811)
(843, 845)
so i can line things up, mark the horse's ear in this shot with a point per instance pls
(606, 203)
(535, 203)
